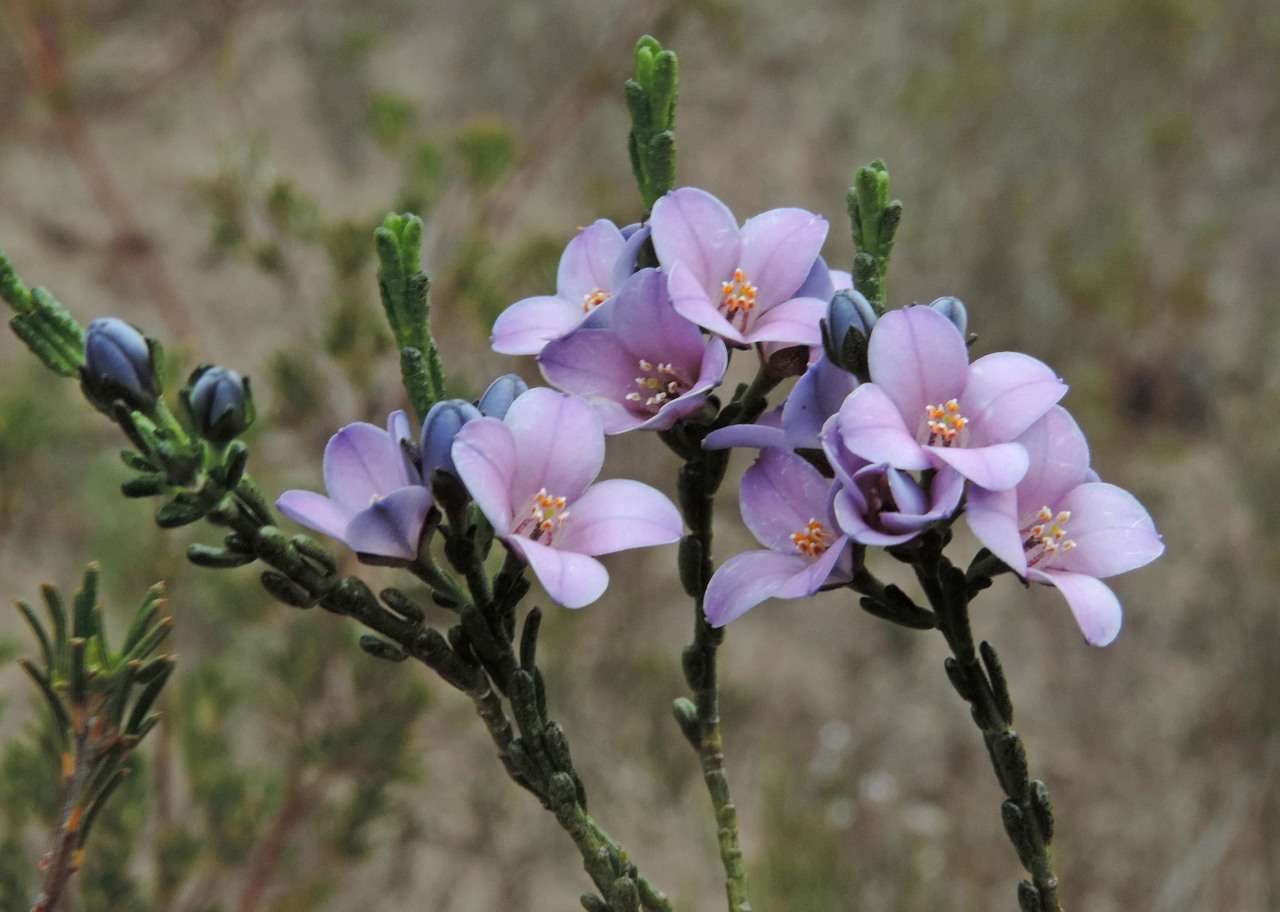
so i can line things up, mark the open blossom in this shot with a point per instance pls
(741, 284)
(376, 503)
(639, 363)
(592, 269)
(797, 423)
(1062, 527)
(786, 504)
(883, 506)
(928, 407)
(531, 474)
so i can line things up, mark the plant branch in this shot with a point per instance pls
(977, 675)
(700, 478)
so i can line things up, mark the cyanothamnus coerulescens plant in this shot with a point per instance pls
(889, 437)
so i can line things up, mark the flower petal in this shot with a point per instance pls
(779, 494)
(361, 463)
(618, 514)
(993, 517)
(1113, 532)
(997, 467)
(572, 580)
(1058, 460)
(626, 262)
(650, 327)
(778, 250)
(690, 300)
(871, 426)
(315, 511)
(1095, 606)
(844, 463)
(694, 229)
(586, 266)
(758, 435)
(392, 526)
(590, 362)
(1007, 392)
(794, 321)
(850, 511)
(527, 325)
(945, 492)
(560, 440)
(919, 358)
(818, 283)
(817, 395)
(484, 454)
(747, 579)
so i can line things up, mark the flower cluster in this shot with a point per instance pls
(926, 431)
(872, 453)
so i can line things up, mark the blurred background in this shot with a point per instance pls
(1096, 180)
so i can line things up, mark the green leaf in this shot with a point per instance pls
(46, 649)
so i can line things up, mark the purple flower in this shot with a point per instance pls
(928, 407)
(638, 362)
(740, 284)
(531, 474)
(786, 504)
(797, 423)
(377, 503)
(880, 505)
(1062, 527)
(592, 269)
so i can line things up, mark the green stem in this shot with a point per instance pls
(977, 675)
(700, 479)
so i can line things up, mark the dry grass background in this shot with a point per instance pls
(1096, 180)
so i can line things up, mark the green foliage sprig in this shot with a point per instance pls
(651, 99)
(875, 220)
(100, 705)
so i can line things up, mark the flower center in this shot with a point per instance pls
(813, 540)
(739, 297)
(546, 514)
(594, 299)
(658, 385)
(1045, 538)
(944, 424)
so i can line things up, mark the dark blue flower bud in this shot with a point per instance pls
(118, 365)
(219, 403)
(953, 309)
(848, 324)
(442, 424)
(500, 394)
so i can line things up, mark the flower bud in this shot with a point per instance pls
(118, 365)
(219, 403)
(442, 424)
(500, 394)
(953, 309)
(848, 324)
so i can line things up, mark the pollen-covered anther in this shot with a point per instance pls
(593, 299)
(813, 540)
(657, 385)
(739, 295)
(945, 423)
(1047, 538)
(546, 514)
